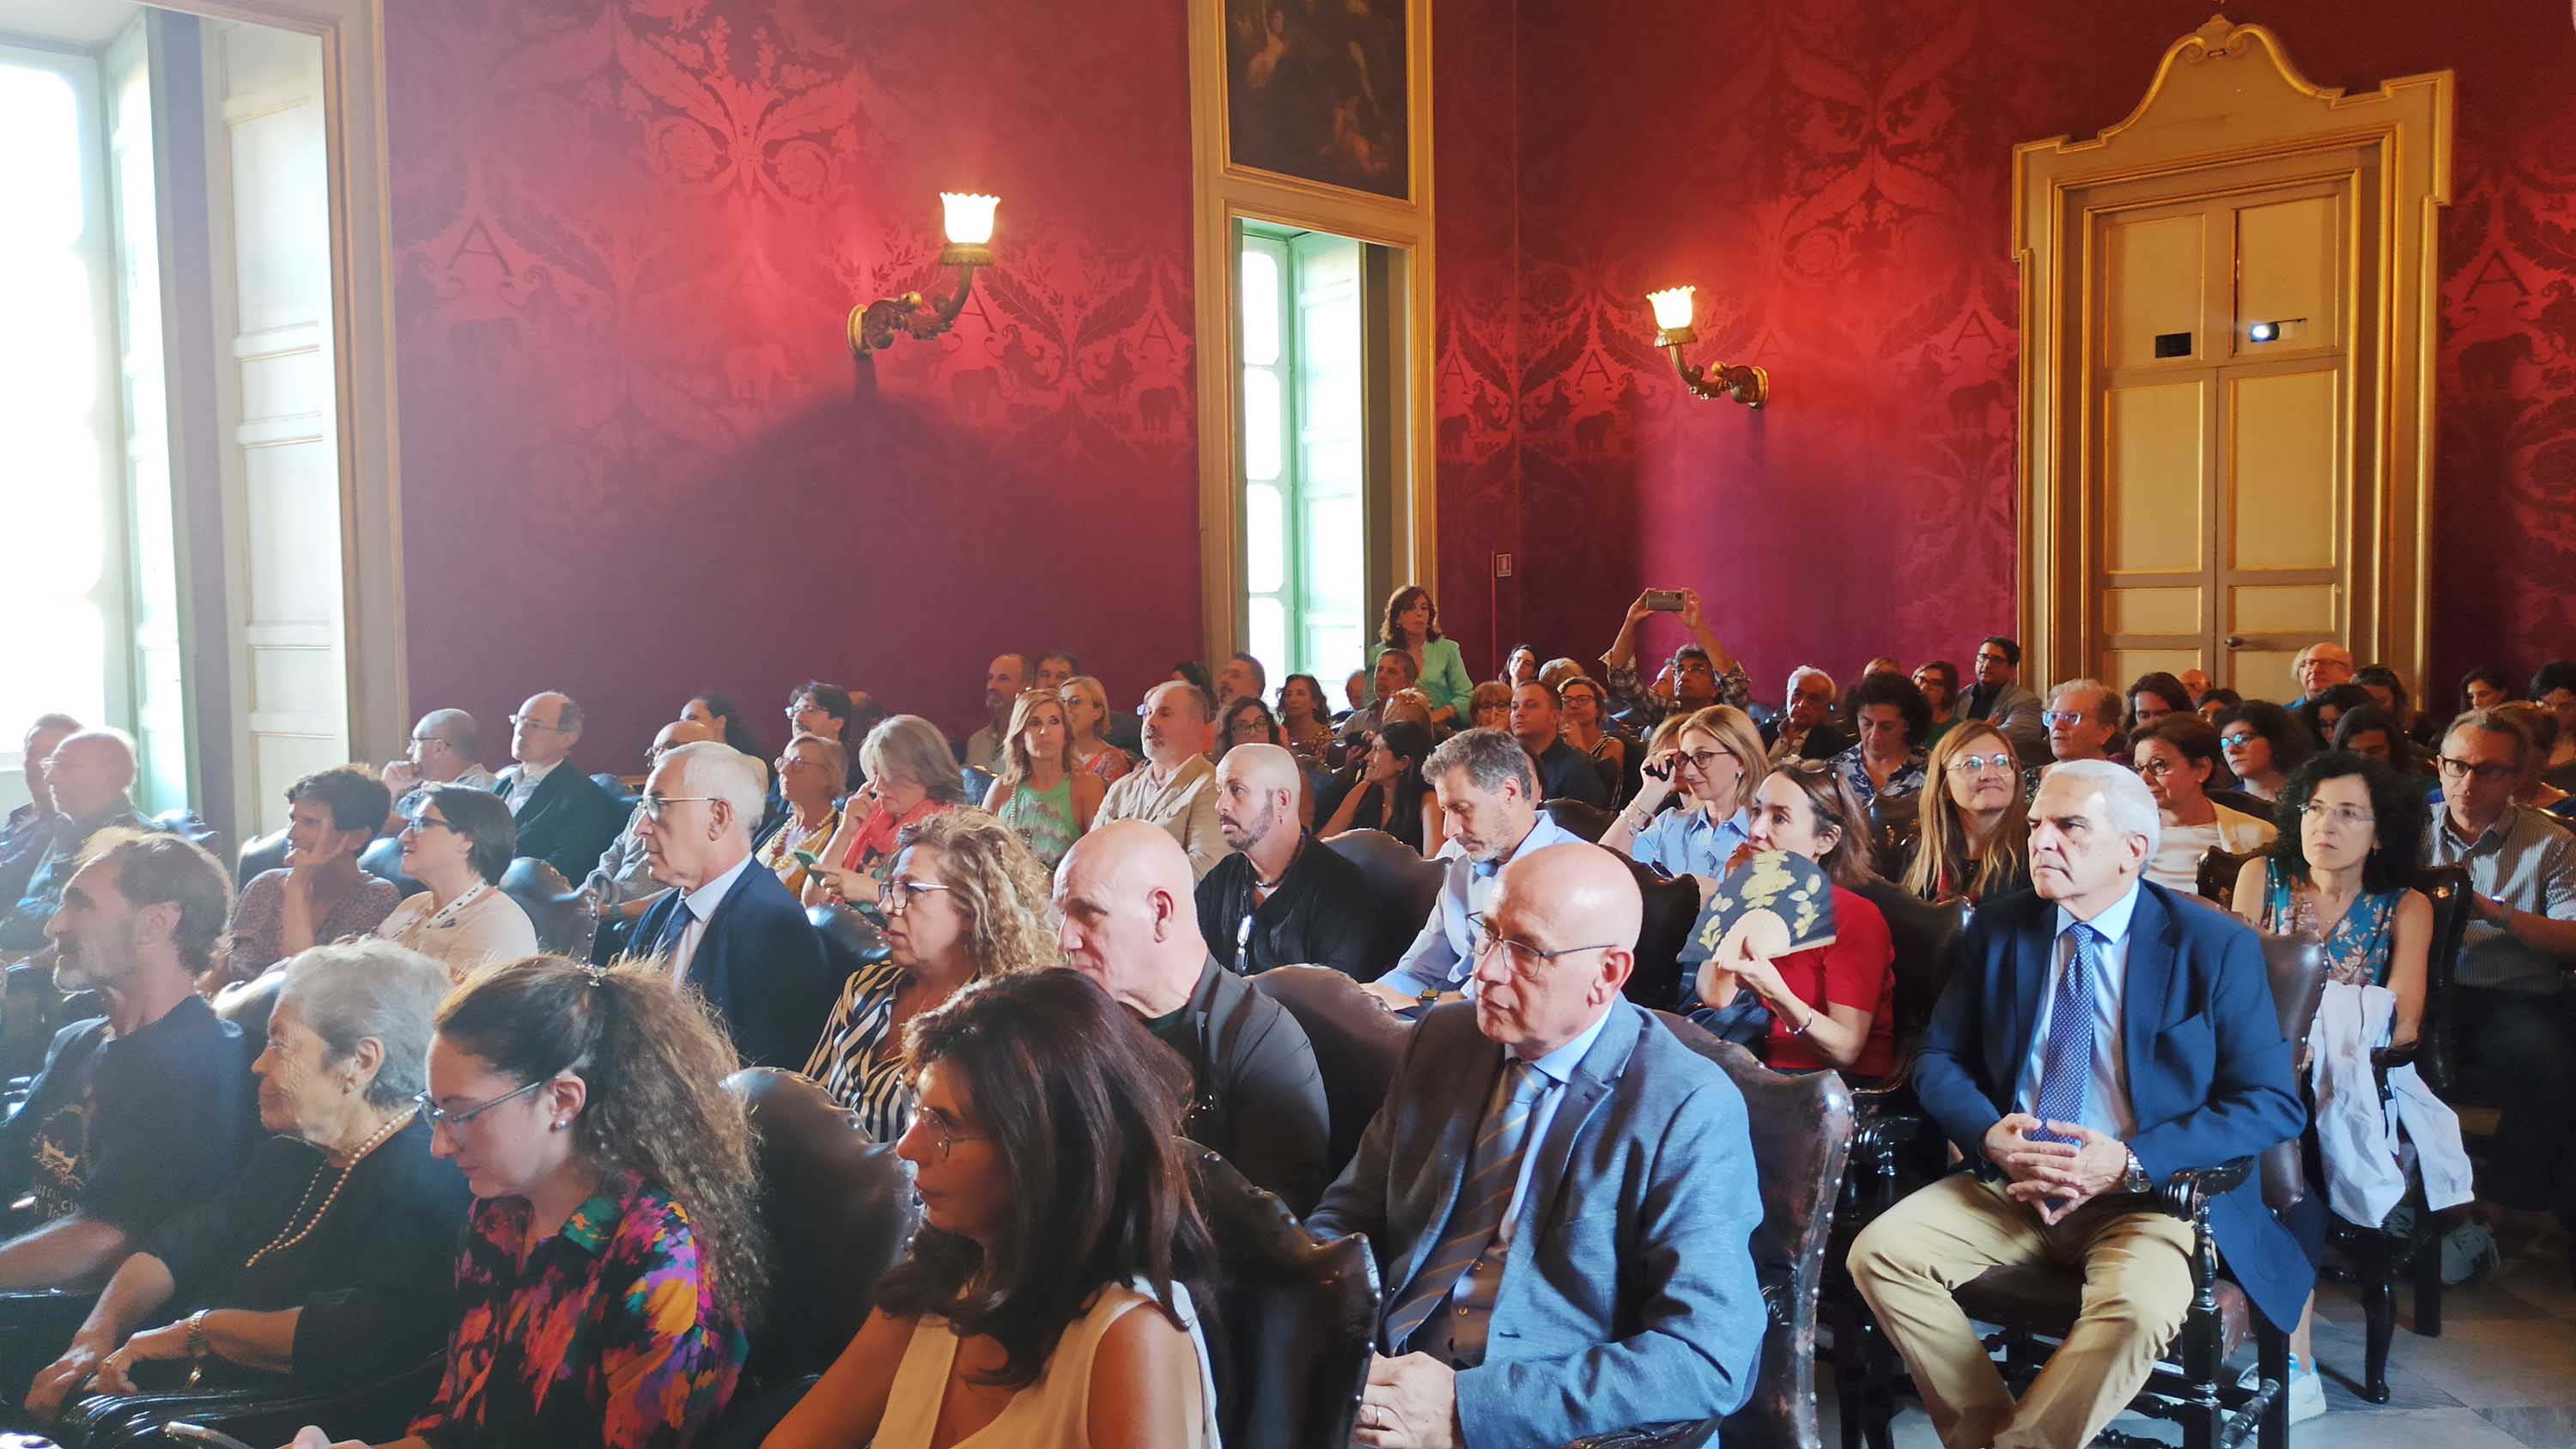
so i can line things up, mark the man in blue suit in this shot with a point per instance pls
(2098, 1034)
(563, 817)
(728, 927)
(1559, 1193)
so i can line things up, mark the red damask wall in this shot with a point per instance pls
(1833, 175)
(636, 461)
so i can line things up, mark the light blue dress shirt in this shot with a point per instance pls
(1688, 842)
(2106, 1098)
(1444, 955)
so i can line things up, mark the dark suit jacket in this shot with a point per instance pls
(1822, 742)
(760, 965)
(1628, 1296)
(2210, 1076)
(1566, 773)
(567, 822)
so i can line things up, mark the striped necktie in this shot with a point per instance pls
(2066, 1072)
(1493, 1170)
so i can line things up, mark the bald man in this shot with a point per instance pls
(623, 880)
(88, 776)
(564, 818)
(30, 828)
(445, 749)
(1559, 1193)
(1128, 921)
(1281, 898)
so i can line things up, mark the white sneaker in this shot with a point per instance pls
(2307, 1392)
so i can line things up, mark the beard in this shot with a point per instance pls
(101, 958)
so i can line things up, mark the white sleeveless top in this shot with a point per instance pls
(1051, 1413)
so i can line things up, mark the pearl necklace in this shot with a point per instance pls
(290, 1235)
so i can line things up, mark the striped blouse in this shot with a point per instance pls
(846, 1061)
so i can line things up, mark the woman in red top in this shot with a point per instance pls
(1833, 1006)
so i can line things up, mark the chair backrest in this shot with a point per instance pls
(1895, 822)
(850, 940)
(1801, 1127)
(191, 827)
(1577, 818)
(2217, 878)
(565, 917)
(618, 790)
(259, 854)
(1922, 932)
(383, 859)
(1672, 908)
(247, 1006)
(1295, 1320)
(2242, 802)
(2447, 887)
(838, 1208)
(1357, 1045)
(2298, 969)
(1402, 886)
(979, 783)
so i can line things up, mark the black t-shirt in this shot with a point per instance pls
(1319, 915)
(1566, 773)
(128, 1130)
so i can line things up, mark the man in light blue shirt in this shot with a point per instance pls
(1488, 791)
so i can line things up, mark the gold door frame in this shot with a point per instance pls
(2224, 96)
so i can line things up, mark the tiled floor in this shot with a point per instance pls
(2501, 1376)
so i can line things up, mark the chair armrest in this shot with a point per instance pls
(2384, 1060)
(2189, 1192)
(383, 1403)
(1686, 1435)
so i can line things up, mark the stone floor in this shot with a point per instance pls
(2501, 1376)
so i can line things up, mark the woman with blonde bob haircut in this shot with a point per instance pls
(1973, 830)
(1715, 760)
(911, 776)
(1086, 713)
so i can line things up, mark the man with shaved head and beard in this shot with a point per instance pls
(1129, 922)
(1280, 899)
(1559, 1192)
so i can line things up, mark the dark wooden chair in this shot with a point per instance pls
(850, 940)
(259, 854)
(1671, 908)
(2217, 875)
(1402, 886)
(565, 915)
(383, 859)
(1295, 1315)
(1357, 1044)
(1577, 818)
(2243, 802)
(1895, 824)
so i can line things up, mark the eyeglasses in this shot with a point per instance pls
(2343, 815)
(2239, 739)
(455, 1121)
(1523, 959)
(1979, 764)
(1702, 759)
(529, 721)
(2055, 717)
(2465, 769)
(654, 805)
(2157, 769)
(424, 823)
(943, 1136)
(426, 741)
(898, 895)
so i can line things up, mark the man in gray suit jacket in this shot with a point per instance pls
(1559, 1193)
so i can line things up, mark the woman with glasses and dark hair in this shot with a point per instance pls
(1832, 1006)
(1583, 721)
(457, 846)
(2178, 756)
(1713, 761)
(1972, 830)
(612, 1265)
(1048, 1300)
(816, 708)
(320, 895)
(2263, 743)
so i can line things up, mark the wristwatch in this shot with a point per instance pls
(1430, 995)
(2138, 1181)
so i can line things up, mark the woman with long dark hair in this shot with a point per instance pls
(1391, 794)
(1047, 1301)
(718, 712)
(1412, 624)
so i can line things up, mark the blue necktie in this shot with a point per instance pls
(668, 947)
(1493, 1170)
(2066, 1072)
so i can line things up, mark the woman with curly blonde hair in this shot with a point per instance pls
(967, 899)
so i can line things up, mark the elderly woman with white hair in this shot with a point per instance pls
(330, 1258)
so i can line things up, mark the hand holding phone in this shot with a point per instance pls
(1664, 601)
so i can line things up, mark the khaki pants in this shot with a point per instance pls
(2137, 1289)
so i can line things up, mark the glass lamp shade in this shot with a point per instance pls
(1672, 307)
(970, 217)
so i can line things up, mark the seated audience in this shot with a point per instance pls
(911, 776)
(1583, 720)
(1280, 899)
(1805, 729)
(2215, 703)
(143, 1111)
(2264, 743)
(561, 815)
(1709, 771)
(1832, 1006)
(1004, 681)
(727, 929)
(2339, 878)
(87, 777)
(1175, 789)
(2327, 710)
(2154, 695)
(2318, 668)
(966, 900)
(320, 895)
(1998, 699)
(725, 720)
(1395, 672)
(2511, 1000)
(1702, 672)
(812, 772)
(821, 710)
(1585, 1267)
(1939, 682)
(622, 882)
(1489, 706)
(1412, 625)
(1086, 715)
(2553, 688)
(1241, 677)
(1972, 826)
(1488, 794)
(1564, 772)
(1129, 921)
(30, 828)
(612, 1263)
(457, 847)
(1011, 1318)
(1392, 795)
(2178, 757)
(1302, 725)
(1354, 688)
(1247, 721)
(2065, 1129)
(2484, 687)
(2377, 734)
(1893, 719)
(330, 1257)
(1041, 792)
(445, 749)
(2083, 719)
(1520, 666)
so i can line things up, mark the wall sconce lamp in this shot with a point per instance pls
(970, 234)
(1743, 382)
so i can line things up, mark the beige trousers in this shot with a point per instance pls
(2137, 1289)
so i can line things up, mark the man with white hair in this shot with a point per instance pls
(2083, 718)
(729, 928)
(1176, 787)
(445, 749)
(2319, 667)
(623, 882)
(87, 776)
(2098, 1034)
(1280, 899)
(1805, 729)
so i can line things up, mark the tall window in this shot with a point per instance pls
(1304, 515)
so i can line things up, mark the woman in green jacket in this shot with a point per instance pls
(1413, 625)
